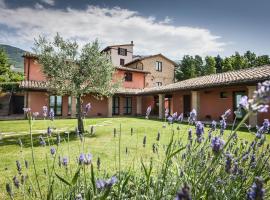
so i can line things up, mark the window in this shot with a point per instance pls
(128, 76)
(223, 95)
(115, 106)
(56, 104)
(159, 66)
(122, 61)
(159, 83)
(122, 51)
(128, 106)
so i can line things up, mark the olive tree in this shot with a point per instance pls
(75, 71)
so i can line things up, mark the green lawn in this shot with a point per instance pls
(103, 144)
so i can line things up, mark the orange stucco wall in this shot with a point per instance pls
(212, 105)
(35, 70)
(147, 101)
(36, 100)
(99, 107)
(262, 116)
(137, 79)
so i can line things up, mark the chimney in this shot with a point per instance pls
(131, 42)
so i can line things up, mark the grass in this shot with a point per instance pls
(103, 144)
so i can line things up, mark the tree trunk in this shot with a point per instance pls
(79, 116)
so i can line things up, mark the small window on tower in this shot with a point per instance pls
(223, 95)
(122, 62)
(159, 84)
(122, 51)
(128, 76)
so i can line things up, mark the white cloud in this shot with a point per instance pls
(49, 2)
(110, 26)
(38, 6)
(2, 3)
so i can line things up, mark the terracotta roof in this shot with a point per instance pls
(139, 58)
(120, 45)
(29, 55)
(42, 85)
(36, 85)
(244, 76)
(131, 69)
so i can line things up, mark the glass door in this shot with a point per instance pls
(236, 98)
(115, 108)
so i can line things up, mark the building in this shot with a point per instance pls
(149, 80)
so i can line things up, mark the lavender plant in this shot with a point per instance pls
(217, 166)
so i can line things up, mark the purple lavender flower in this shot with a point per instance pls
(226, 114)
(45, 111)
(144, 141)
(261, 97)
(16, 182)
(87, 108)
(65, 161)
(53, 150)
(49, 131)
(51, 114)
(170, 119)
(266, 125)
(174, 116)
(222, 126)
(81, 159)
(103, 184)
(228, 164)
(42, 141)
(213, 125)
(192, 116)
(244, 102)
(184, 193)
(256, 192)
(100, 184)
(88, 159)
(217, 144)
(131, 131)
(180, 117)
(148, 111)
(19, 167)
(262, 108)
(26, 110)
(199, 131)
(35, 114)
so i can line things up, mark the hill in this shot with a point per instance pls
(15, 56)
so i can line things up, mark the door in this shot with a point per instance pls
(17, 104)
(187, 105)
(236, 100)
(115, 106)
(128, 106)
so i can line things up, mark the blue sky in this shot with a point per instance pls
(172, 27)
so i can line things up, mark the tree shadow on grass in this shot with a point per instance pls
(26, 139)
